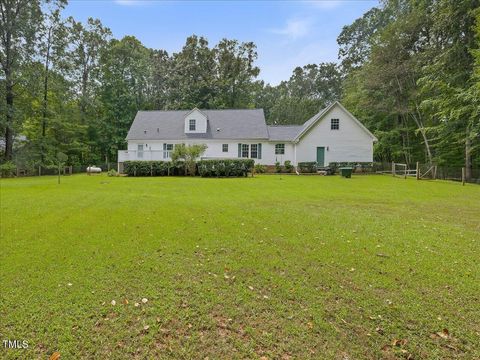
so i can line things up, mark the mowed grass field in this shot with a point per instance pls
(291, 267)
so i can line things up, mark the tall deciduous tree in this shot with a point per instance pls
(53, 42)
(86, 42)
(236, 71)
(20, 20)
(126, 80)
(309, 89)
(409, 66)
(192, 80)
(449, 81)
(355, 40)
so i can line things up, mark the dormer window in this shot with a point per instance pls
(195, 122)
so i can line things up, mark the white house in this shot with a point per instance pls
(332, 135)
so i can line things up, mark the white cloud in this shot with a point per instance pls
(294, 28)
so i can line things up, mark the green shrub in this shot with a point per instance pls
(278, 167)
(260, 169)
(288, 166)
(162, 168)
(307, 167)
(233, 167)
(112, 172)
(227, 167)
(8, 169)
(145, 168)
(188, 154)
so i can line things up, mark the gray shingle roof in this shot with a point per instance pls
(169, 125)
(290, 132)
(233, 124)
(283, 132)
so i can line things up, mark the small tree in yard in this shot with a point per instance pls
(189, 154)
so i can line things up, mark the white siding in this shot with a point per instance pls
(214, 149)
(348, 144)
(269, 157)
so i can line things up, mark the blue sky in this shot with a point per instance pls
(287, 33)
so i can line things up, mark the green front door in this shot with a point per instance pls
(320, 156)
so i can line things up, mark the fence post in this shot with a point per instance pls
(435, 173)
(39, 170)
(393, 168)
(418, 171)
(463, 176)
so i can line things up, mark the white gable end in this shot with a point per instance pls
(351, 142)
(195, 122)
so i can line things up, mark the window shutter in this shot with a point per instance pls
(259, 151)
(239, 150)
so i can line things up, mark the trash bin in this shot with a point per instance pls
(346, 172)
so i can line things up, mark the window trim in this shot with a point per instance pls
(224, 148)
(334, 124)
(280, 149)
(254, 151)
(245, 150)
(192, 125)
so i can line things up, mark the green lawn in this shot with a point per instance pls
(268, 267)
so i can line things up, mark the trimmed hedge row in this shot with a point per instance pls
(205, 168)
(153, 168)
(227, 167)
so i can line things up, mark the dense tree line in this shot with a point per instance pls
(409, 69)
(412, 75)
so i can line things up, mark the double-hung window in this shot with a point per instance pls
(254, 151)
(245, 150)
(224, 147)
(167, 150)
(279, 149)
(335, 124)
(140, 151)
(192, 125)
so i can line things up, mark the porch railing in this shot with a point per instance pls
(147, 155)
